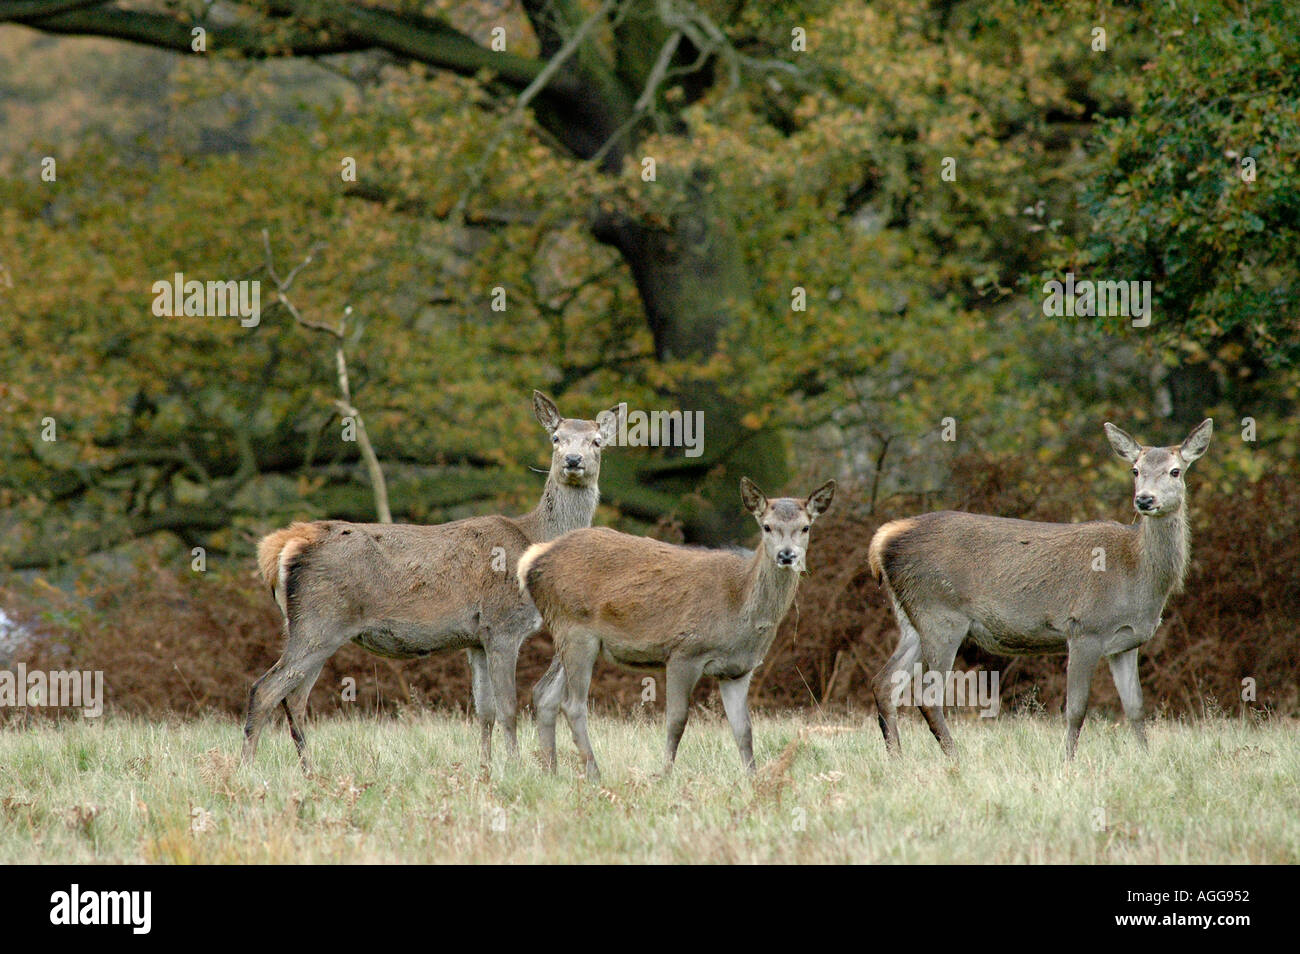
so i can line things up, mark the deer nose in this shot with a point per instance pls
(573, 461)
(786, 557)
(1145, 501)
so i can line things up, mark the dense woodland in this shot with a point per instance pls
(840, 259)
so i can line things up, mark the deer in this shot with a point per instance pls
(681, 611)
(405, 590)
(1021, 587)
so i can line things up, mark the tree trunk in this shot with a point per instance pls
(691, 277)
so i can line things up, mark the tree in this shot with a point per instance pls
(828, 253)
(597, 104)
(1195, 192)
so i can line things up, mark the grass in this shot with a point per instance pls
(410, 790)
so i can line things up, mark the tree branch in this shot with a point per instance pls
(21, 10)
(521, 105)
(168, 33)
(580, 104)
(345, 405)
(643, 103)
(53, 551)
(338, 27)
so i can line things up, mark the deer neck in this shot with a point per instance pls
(563, 507)
(1163, 546)
(769, 591)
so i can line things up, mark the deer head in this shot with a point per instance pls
(1158, 488)
(786, 522)
(576, 444)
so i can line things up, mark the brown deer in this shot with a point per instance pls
(1020, 587)
(651, 606)
(404, 591)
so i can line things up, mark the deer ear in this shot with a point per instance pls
(548, 415)
(1197, 441)
(608, 421)
(820, 499)
(753, 499)
(1124, 445)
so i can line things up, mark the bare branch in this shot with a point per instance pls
(345, 406)
(521, 105)
(646, 100)
(363, 437)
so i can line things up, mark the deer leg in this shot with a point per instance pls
(257, 713)
(735, 701)
(680, 678)
(939, 653)
(578, 657)
(295, 710)
(268, 692)
(1124, 670)
(1085, 653)
(306, 653)
(547, 696)
(502, 657)
(893, 677)
(484, 705)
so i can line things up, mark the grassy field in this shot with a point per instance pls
(409, 790)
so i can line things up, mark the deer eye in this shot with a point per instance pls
(555, 439)
(1174, 472)
(1135, 471)
(767, 528)
(595, 442)
(803, 529)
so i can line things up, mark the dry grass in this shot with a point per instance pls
(409, 790)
